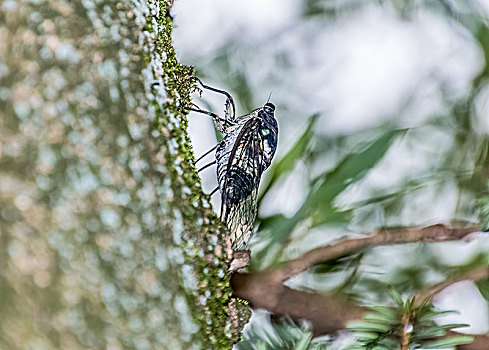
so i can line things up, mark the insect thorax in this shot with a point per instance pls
(239, 176)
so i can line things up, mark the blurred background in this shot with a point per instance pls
(343, 75)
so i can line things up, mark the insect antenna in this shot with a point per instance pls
(269, 96)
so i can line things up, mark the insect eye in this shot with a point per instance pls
(269, 107)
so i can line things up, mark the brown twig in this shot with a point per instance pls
(406, 330)
(326, 313)
(384, 236)
(481, 342)
(477, 274)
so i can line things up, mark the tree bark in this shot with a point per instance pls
(107, 240)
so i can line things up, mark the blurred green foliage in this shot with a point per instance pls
(383, 328)
(285, 335)
(318, 204)
(365, 276)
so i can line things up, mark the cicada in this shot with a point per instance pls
(245, 152)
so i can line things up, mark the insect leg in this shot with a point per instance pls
(206, 166)
(230, 107)
(214, 191)
(206, 153)
(217, 118)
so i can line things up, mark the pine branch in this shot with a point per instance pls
(326, 313)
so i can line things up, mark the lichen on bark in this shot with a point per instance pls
(202, 243)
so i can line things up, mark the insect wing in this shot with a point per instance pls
(239, 182)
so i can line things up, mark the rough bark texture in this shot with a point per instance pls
(107, 240)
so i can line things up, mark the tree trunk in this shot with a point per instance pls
(107, 240)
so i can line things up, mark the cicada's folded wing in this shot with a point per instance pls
(239, 179)
(241, 219)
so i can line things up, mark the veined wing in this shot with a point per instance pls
(239, 180)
